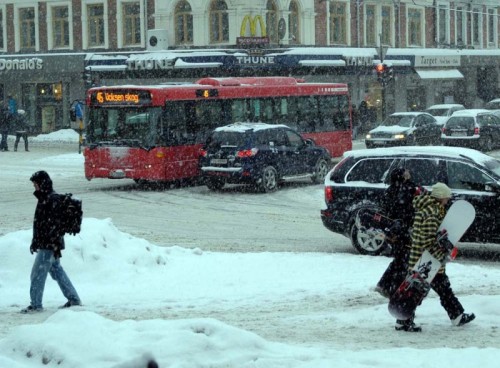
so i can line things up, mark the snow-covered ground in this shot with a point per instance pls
(188, 307)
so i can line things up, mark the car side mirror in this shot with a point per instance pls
(309, 142)
(492, 187)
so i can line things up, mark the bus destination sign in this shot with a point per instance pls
(120, 97)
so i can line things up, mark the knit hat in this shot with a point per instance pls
(440, 190)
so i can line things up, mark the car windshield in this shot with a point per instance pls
(493, 165)
(401, 120)
(460, 122)
(493, 105)
(438, 112)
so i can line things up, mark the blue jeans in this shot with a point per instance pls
(46, 263)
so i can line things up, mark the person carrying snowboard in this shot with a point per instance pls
(430, 209)
(398, 205)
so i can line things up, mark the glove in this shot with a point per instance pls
(443, 241)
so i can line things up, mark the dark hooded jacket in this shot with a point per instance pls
(398, 203)
(47, 232)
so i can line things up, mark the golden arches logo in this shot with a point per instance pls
(248, 21)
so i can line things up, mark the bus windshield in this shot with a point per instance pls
(134, 127)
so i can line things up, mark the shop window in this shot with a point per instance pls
(95, 25)
(60, 27)
(27, 28)
(183, 23)
(131, 23)
(219, 22)
(294, 23)
(338, 23)
(49, 91)
(272, 21)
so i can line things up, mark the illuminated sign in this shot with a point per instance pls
(207, 93)
(252, 23)
(248, 31)
(120, 97)
(21, 64)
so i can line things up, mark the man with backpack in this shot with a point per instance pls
(48, 243)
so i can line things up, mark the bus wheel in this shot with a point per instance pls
(269, 180)
(214, 183)
(320, 170)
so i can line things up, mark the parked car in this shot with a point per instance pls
(262, 155)
(360, 179)
(475, 128)
(405, 129)
(493, 104)
(443, 111)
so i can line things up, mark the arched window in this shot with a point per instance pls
(293, 23)
(183, 23)
(219, 22)
(272, 21)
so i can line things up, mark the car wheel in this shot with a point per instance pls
(365, 242)
(320, 170)
(488, 144)
(268, 180)
(215, 183)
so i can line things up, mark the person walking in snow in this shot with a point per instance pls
(398, 205)
(21, 130)
(430, 209)
(4, 126)
(48, 243)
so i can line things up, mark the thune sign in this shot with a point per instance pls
(21, 64)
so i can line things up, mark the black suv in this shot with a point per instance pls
(262, 155)
(361, 178)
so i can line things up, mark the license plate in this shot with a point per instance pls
(218, 161)
(458, 134)
(379, 143)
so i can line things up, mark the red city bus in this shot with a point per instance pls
(154, 133)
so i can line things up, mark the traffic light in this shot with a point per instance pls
(380, 69)
(384, 73)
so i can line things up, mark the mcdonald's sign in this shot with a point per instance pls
(248, 31)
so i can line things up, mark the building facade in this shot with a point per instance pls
(441, 51)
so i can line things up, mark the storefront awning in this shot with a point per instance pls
(322, 63)
(440, 74)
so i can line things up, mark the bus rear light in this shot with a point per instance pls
(247, 153)
(328, 194)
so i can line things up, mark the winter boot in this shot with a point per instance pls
(463, 319)
(407, 325)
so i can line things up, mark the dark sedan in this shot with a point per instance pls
(405, 129)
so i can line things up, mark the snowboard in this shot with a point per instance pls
(416, 286)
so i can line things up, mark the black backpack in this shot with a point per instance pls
(70, 213)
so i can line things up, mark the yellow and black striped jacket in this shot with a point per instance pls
(429, 214)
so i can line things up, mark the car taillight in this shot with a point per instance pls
(443, 130)
(328, 194)
(476, 131)
(247, 153)
(202, 152)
